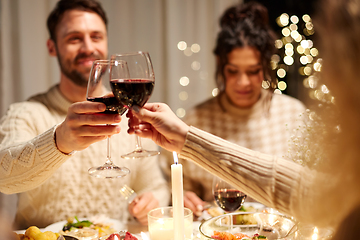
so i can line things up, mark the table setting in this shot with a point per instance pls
(229, 217)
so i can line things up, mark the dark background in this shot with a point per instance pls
(275, 8)
(291, 7)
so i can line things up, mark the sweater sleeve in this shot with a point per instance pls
(27, 159)
(274, 181)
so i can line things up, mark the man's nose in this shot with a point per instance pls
(88, 45)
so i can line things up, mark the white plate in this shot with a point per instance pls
(116, 224)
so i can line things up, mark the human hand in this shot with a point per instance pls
(141, 205)
(193, 202)
(157, 122)
(85, 124)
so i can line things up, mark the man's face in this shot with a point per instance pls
(81, 38)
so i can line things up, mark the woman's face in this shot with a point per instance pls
(243, 76)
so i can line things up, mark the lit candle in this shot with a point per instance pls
(177, 198)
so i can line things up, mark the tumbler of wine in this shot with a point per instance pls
(227, 197)
(99, 90)
(133, 90)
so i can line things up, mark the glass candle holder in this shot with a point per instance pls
(161, 223)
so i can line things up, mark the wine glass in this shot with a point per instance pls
(134, 90)
(227, 197)
(99, 90)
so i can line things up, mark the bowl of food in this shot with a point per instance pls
(247, 225)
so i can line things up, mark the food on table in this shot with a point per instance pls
(236, 236)
(83, 233)
(116, 236)
(34, 233)
(129, 236)
(73, 224)
(240, 219)
(113, 236)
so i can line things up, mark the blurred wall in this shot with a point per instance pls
(153, 25)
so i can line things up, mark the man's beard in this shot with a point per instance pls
(80, 79)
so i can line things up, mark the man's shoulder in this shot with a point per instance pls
(35, 104)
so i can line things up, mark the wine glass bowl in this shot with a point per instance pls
(98, 90)
(133, 89)
(227, 197)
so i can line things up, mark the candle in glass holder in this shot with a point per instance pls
(161, 223)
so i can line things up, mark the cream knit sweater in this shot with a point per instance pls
(53, 186)
(271, 180)
(254, 128)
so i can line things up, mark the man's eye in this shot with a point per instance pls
(97, 38)
(74, 39)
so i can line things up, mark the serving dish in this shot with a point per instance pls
(272, 225)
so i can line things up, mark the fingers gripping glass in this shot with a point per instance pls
(133, 90)
(99, 90)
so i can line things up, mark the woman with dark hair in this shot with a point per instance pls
(243, 112)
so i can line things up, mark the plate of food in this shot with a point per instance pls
(104, 226)
(268, 226)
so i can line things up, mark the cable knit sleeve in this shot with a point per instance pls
(28, 154)
(274, 181)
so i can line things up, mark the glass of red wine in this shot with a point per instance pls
(227, 197)
(99, 90)
(133, 90)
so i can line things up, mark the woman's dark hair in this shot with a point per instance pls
(65, 5)
(245, 25)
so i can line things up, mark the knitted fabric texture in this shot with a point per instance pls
(55, 186)
(253, 128)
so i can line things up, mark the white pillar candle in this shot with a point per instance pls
(177, 198)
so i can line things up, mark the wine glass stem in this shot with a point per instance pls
(137, 143)
(108, 151)
(231, 222)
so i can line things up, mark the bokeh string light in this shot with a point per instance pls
(184, 81)
(297, 49)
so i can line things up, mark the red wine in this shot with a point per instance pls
(112, 104)
(132, 92)
(229, 200)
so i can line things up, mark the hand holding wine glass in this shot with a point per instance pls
(98, 90)
(135, 89)
(227, 197)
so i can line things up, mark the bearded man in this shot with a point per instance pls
(48, 142)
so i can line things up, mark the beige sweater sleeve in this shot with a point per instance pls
(275, 182)
(27, 159)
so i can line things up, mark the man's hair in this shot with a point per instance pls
(65, 5)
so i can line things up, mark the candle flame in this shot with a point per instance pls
(176, 160)
(315, 235)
